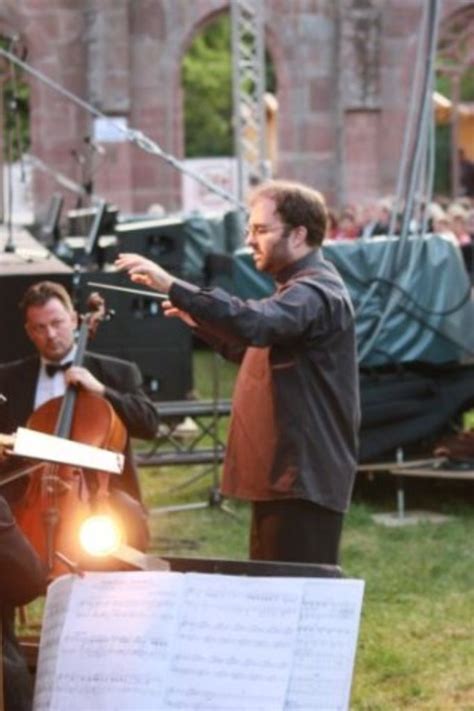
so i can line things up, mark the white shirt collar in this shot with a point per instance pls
(48, 387)
(67, 358)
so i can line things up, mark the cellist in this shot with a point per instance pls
(50, 323)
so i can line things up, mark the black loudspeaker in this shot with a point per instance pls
(161, 347)
(138, 331)
(219, 271)
(80, 221)
(94, 248)
(161, 240)
(166, 370)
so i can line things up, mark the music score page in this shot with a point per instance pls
(161, 640)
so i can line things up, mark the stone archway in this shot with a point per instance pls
(159, 37)
(125, 58)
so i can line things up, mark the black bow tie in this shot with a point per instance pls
(53, 368)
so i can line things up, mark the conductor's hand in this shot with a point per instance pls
(83, 378)
(144, 271)
(171, 311)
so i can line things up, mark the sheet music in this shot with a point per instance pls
(114, 645)
(145, 641)
(233, 644)
(326, 644)
(59, 593)
(38, 445)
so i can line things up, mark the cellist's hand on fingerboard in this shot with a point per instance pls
(83, 378)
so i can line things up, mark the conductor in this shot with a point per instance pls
(292, 446)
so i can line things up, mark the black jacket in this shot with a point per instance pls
(124, 391)
(295, 409)
(22, 578)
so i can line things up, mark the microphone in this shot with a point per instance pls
(78, 156)
(94, 146)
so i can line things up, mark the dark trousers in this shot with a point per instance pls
(294, 530)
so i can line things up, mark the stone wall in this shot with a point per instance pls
(344, 70)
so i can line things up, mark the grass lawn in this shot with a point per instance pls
(416, 642)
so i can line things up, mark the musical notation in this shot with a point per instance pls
(195, 641)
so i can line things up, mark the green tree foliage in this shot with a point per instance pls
(207, 83)
(466, 85)
(17, 123)
(15, 107)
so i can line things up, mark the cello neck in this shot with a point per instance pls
(66, 413)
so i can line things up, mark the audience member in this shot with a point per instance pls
(347, 227)
(466, 174)
(458, 216)
(470, 224)
(368, 219)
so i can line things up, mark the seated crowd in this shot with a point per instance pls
(372, 218)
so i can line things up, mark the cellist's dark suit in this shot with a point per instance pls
(124, 391)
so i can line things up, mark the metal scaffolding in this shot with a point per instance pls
(248, 78)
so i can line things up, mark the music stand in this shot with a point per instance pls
(224, 566)
(51, 448)
(49, 232)
(215, 498)
(43, 447)
(92, 239)
(286, 642)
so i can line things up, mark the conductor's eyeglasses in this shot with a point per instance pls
(260, 230)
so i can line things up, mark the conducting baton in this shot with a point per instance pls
(140, 292)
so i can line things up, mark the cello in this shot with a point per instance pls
(60, 497)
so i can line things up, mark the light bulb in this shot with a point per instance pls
(100, 535)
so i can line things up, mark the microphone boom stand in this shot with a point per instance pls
(215, 498)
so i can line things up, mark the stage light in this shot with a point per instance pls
(100, 536)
